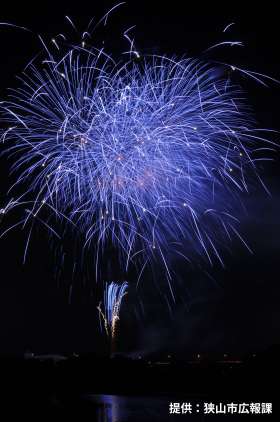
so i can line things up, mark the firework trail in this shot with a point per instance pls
(110, 310)
(150, 154)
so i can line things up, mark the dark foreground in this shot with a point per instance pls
(121, 389)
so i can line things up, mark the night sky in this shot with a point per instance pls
(235, 309)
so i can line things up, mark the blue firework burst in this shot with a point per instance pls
(148, 155)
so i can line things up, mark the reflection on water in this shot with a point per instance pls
(111, 408)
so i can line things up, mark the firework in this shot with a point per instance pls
(149, 155)
(110, 310)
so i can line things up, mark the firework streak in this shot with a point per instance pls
(110, 314)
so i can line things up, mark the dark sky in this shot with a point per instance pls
(231, 309)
